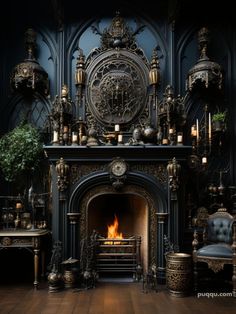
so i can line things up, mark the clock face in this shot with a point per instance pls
(118, 168)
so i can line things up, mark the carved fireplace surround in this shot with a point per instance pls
(117, 150)
(79, 204)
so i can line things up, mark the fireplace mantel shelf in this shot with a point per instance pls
(107, 153)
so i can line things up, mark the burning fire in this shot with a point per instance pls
(112, 232)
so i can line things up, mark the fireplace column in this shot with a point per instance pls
(161, 218)
(173, 169)
(74, 234)
(62, 169)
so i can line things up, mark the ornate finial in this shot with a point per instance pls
(154, 75)
(117, 35)
(80, 75)
(80, 69)
(30, 43)
(64, 91)
(203, 40)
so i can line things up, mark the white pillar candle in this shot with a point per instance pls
(74, 137)
(120, 138)
(209, 127)
(204, 160)
(55, 136)
(117, 127)
(197, 130)
(180, 138)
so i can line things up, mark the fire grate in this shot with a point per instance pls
(119, 256)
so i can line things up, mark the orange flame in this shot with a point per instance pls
(112, 230)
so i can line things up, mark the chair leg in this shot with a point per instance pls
(195, 277)
(234, 280)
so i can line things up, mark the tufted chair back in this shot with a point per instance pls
(220, 227)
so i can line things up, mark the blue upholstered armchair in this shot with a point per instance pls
(219, 238)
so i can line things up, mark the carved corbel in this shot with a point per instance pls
(62, 169)
(173, 169)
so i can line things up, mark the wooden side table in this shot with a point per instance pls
(30, 240)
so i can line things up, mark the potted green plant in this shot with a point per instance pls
(218, 121)
(20, 151)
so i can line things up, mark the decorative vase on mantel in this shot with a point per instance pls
(149, 134)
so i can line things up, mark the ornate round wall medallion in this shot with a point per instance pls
(6, 241)
(118, 167)
(117, 87)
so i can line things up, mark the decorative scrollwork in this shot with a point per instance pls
(117, 90)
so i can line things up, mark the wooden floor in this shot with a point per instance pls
(108, 298)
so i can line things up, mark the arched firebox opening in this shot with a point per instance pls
(136, 206)
(122, 215)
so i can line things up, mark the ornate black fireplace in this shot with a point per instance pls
(143, 201)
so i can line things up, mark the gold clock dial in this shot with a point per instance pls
(118, 168)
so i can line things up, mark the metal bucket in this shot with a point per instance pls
(179, 274)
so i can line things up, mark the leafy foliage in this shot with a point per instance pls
(20, 151)
(219, 116)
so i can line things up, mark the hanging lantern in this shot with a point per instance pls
(29, 76)
(205, 72)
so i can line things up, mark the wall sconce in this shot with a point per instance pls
(201, 134)
(61, 118)
(171, 117)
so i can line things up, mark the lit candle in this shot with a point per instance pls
(55, 136)
(117, 127)
(171, 131)
(193, 131)
(65, 129)
(165, 141)
(74, 137)
(209, 128)
(204, 160)
(18, 205)
(180, 138)
(120, 138)
(197, 131)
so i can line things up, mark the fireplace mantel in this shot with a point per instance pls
(106, 153)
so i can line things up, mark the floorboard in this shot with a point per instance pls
(107, 298)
